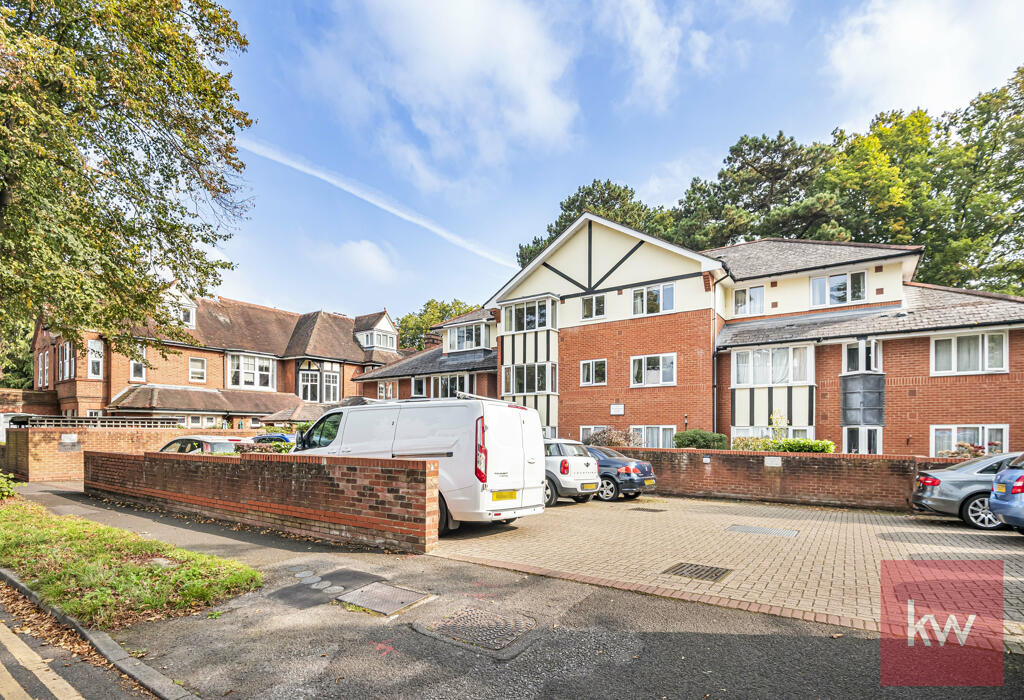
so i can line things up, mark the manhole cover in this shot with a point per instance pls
(649, 510)
(758, 530)
(698, 571)
(382, 598)
(482, 628)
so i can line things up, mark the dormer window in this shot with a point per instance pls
(378, 339)
(468, 337)
(188, 316)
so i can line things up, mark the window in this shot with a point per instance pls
(40, 376)
(592, 307)
(448, 385)
(529, 316)
(419, 386)
(251, 371)
(137, 368)
(210, 421)
(95, 359)
(655, 435)
(592, 372)
(254, 422)
(768, 366)
(381, 339)
(862, 356)
(588, 430)
(385, 390)
(748, 302)
(188, 316)
(332, 387)
(93, 413)
(468, 337)
(195, 421)
(46, 368)
(866, 440)
(836, 290)
(653, 370)
(796, 432)
(309, 386)
(950, 439)
(321, 434)
(197, 370)
(539, 378)
(65, 361)
(977, 353)
(653, 300)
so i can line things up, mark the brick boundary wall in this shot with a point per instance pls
(849, 480)
(38, 454)
(378, 502)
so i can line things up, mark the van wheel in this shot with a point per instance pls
(550, 493)
(442, 517)
(583, 499)
(608, 490)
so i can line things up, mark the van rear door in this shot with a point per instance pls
(533, 449)
(506, 462)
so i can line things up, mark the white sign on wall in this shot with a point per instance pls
(69, 437)
(618, 409)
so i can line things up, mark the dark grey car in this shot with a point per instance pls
(963, 489)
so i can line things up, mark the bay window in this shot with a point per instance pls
(749, 301)
(529, 316)
(468, 337)
(836, 290)
(592, 307)
(653, 370)
(862, 356)
(540, 378)
(655, 435)
(95, 359)
(448, 385)
(251, 371)
(975, 353)
(769, 366)
(593, 372)
(968, 439)
(655, 299)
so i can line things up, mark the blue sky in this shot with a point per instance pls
(402, 150)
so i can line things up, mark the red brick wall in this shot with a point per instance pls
(380, 502)
(861, 481)
(28, 401)
(487, 384)
(687, 334)
(37, 454)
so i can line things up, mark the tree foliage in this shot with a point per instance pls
(16, 368)
(414, 325)
(118, 167)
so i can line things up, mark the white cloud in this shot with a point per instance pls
(668, 183)
(360, 259)
(452, 86)
(936, 54)
(699, 43)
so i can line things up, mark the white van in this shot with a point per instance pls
(490, 453)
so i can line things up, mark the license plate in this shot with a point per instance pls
(1001, 488)
(587, 487)
(648, 482)
(502, 495)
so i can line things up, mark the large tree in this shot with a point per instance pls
(16, 370)
(118, 166)
(412, 326)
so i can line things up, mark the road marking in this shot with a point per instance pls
(9, 688)
(30, 660)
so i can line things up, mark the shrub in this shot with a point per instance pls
(263, 447)
(751, 444)
(701, 440)
(759, 444)
(7, 484)
(609, 437)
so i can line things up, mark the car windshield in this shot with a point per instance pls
(615, 455)
(222, 447)
(575, 449)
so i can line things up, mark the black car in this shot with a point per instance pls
(621, 474)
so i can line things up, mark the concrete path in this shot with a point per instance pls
(586, 641)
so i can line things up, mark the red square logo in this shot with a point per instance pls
(942, 623)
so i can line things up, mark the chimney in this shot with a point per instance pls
(431, 340)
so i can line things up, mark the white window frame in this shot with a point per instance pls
(593, 366)
(661, 433)
(93, 413)
(862, 348)
(747, 310)
(465, 379)
(422, 393)
(593, 307)
(984, 428)
(644, 358)
(767, 431)
(256, 372)
(39, 369)
(94, 354)
(209, 421)
(661, 287)
(734, 365)
(46, 368)
(309, 384)
(983, 352)
(509, 372)
(479, 338)
(195, 421)
(550, 314)
(588, 430)
(188, 316)
(141, 364)
(849, 289)
(862, 438)
(332, 387)
(197, 376)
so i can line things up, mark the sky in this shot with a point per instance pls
(403, 150)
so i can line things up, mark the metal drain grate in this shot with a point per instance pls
(758, 530)
(483, 629)
(649, 510)
(698, 571)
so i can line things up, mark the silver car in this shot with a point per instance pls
(963, 489)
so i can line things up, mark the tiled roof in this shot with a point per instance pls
(468, 317)
(368, 321)
(926, 307)
(167, 398)
(776, 256)
(434, 361)
(310, 411)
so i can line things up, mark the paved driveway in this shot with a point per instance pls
(819, 563)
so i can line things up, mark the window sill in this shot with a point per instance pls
(586, 386)
(651, 386)
(479, 347)
(532, 330)
(593, 319)
(968, 374)
(659, 313)
(869, 371)
(769, 386)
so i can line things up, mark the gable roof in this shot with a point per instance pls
(480, 314)
(926, 308)
(776, 256)
(152, 397)
(368, 321)
(706, 262)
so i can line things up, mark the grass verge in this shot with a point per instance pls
(103, 576)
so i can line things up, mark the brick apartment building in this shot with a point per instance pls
(610, 327)
(248, 361)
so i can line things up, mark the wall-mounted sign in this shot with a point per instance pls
(773, 461)
(618, 409)
(69, 437)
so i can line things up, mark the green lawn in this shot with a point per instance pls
(101, 575)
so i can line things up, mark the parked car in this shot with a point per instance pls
(275, 437)
(1007, 499)
(571, 472)
(622, 474)
(490, 453)
(202, 443)
(963, 489)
